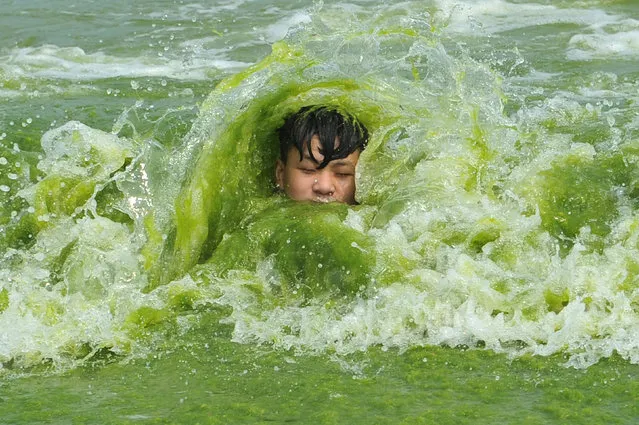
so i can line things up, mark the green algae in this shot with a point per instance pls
(470, 220)
(147, 317)
(207, 378)
(313, 253)
(4, 299)
(216, 198)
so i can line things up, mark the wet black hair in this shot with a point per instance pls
(327, 124)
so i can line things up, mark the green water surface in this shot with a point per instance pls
(208, 379)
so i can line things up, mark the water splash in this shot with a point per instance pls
(486, 219)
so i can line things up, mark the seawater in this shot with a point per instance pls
(494, 244)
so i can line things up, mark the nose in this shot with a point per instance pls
(323, 183)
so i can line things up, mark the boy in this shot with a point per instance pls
(319, 149)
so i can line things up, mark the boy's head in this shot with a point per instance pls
(319, 149)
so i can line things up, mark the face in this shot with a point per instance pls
(301, 180)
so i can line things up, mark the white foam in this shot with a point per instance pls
(603, 45)
(278, 30)
(73, 63)
(209, 10)
(494, 16)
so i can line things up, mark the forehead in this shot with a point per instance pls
(316, 145)
(316, 149)
(294, 157)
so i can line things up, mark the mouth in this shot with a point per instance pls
(324, 200)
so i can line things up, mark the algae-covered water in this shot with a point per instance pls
(150, 273)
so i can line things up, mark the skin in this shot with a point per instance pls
(301, 180)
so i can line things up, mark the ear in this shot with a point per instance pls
(279, 173)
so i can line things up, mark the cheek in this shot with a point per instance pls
(297, 182)
(347, 184)
(347, 190)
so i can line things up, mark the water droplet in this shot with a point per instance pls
(3, 161)
(135, 85)
(12, 176)
(4, 188)
(163, 83)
